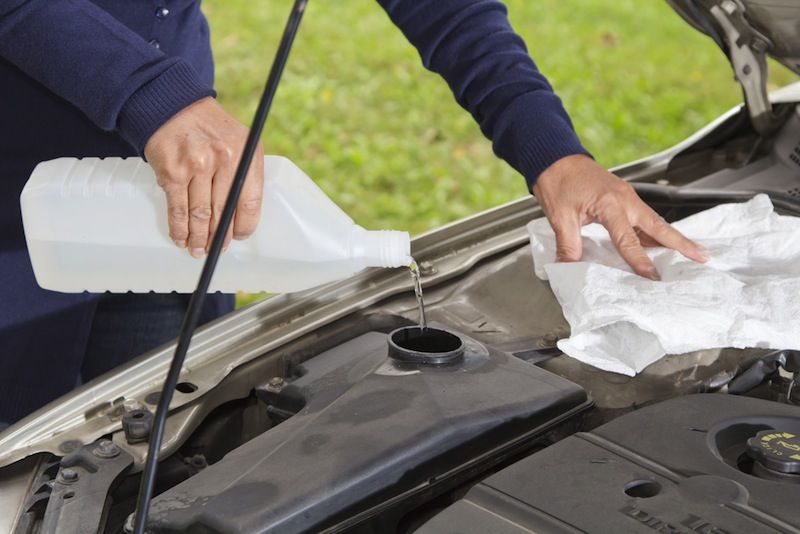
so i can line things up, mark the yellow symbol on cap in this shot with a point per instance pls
(789, 446)
(770, 437)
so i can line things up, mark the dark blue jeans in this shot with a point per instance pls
(123, 326)
(127, 325)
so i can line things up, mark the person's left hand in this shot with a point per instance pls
(575, 191)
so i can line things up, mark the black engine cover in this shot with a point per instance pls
(677, 466)
(368, 431)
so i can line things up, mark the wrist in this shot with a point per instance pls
(566, 166)
(157, 101)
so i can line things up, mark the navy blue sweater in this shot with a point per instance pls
(97, 78)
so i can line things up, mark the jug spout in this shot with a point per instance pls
(382, 248)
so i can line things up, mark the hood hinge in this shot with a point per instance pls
(747, 51)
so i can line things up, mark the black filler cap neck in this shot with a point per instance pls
(776, 451)
(429, 346)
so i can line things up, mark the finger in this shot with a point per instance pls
(220, 189)
(199, 215)
(627, 243)
(177, 213)
(248, 210)
(644, 239)
(657, 228)
(568, 238)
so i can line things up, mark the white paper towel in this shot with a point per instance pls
(746, 295)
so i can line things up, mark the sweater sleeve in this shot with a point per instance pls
(471, 44)
(87, 57)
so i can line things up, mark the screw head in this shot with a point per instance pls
(197, 461)
(760, 45)
(276, 381)
(729, 7)
(549, 340)
(130, 405)
(106, 449)
(69, 475)
(427, 268)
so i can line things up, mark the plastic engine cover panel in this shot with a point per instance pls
(671, 467)
(368, 430)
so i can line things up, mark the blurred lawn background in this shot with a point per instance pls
(384, 138)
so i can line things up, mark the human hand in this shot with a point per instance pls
(194, 155)
(575, 191)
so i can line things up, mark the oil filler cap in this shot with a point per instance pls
(776, 451)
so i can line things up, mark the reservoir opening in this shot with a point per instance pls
(425, 345)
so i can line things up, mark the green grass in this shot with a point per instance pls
(386, 141)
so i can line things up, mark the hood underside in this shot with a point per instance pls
(749, 31)
(776, 22)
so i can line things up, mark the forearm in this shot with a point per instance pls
(87, 57)
(471, 44)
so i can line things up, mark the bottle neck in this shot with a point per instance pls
(382, 248)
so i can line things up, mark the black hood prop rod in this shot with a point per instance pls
(192, 316)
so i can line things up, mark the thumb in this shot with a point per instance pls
(568, 238)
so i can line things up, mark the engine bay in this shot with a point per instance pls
(323, 412)
(293, 423)
(338, 434)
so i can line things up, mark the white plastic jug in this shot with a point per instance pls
(101, 225)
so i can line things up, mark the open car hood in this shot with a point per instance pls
(749, 31)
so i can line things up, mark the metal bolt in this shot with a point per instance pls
(729, 7)
(197, 461)
(276, 382)
(131, 404)
(759, 45)
(427, 268)
(106, 449)
(69, 475)
(548, 341)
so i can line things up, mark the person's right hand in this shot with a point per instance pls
(194, 155)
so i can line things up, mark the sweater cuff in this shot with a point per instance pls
(157, 101)
(542, 133)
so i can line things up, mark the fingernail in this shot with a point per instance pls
(197, 252)
(239, 237)
(653, 275)
(181, 243)
(703, 253)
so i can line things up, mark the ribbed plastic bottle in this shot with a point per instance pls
(101, 225)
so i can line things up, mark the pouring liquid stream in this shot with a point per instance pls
(415, 278)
